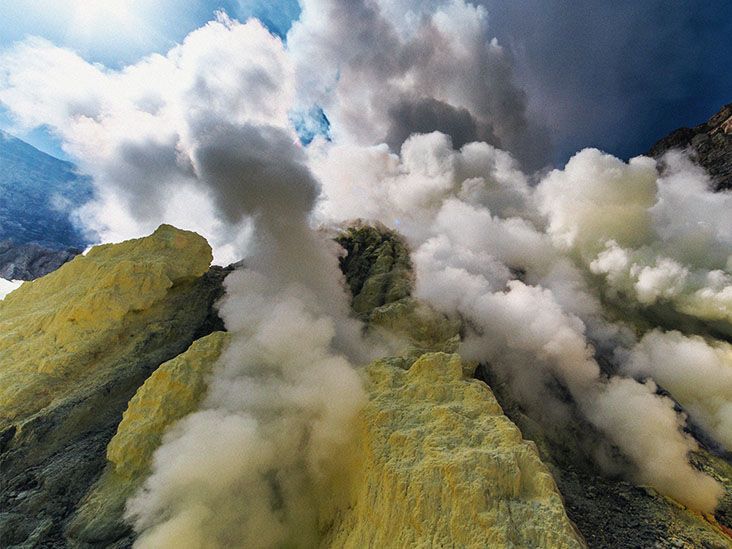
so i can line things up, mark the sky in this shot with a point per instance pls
(120, 32)
(616, 76)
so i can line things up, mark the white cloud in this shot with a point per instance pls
(135, 130)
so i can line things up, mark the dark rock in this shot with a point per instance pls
(377, 267)
(608, 511)
(710, 144)
(30, 261)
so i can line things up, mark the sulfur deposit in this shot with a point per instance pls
(443, 467)
(54, 332)
(75, 346)
(118, 346)
(173, 391)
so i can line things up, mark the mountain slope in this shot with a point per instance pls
(37, 194)
(119, 327)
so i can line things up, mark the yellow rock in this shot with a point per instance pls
(53, 330)
(414, 329)
(174, 390)
(442, 466)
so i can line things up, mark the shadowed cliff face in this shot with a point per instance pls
(609, 511)
(710, 144)
(37, 194)
(31, 261)
(174, 390)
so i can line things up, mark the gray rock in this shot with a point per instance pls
(710, 145)
(32, 260)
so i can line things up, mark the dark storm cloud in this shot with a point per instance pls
(618, 75)
(425, 115)
(381, 78)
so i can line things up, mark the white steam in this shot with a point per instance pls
(7, 286)
(696, 372)
(253, 465)
(475, 225)
(655, 239)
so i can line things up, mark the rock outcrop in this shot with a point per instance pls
(376, 265)
(174, 390)
(92, 304)
(442, 466)
(608, 511)
(710, 144)
(102, 356)
(74, 348)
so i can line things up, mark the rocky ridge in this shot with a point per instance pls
(104, 423)
(171, 392)
(74, 348)
(709, 143)
(440, 459)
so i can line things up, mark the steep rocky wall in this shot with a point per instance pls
(31, 261)
(93, 303)
(74, 347)
(611, 512)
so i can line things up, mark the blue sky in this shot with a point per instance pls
(90, 27)
(614, 75)
(119, 32)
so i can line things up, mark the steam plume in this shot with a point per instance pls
(474, 223)
(276, 416)
(282, 398)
